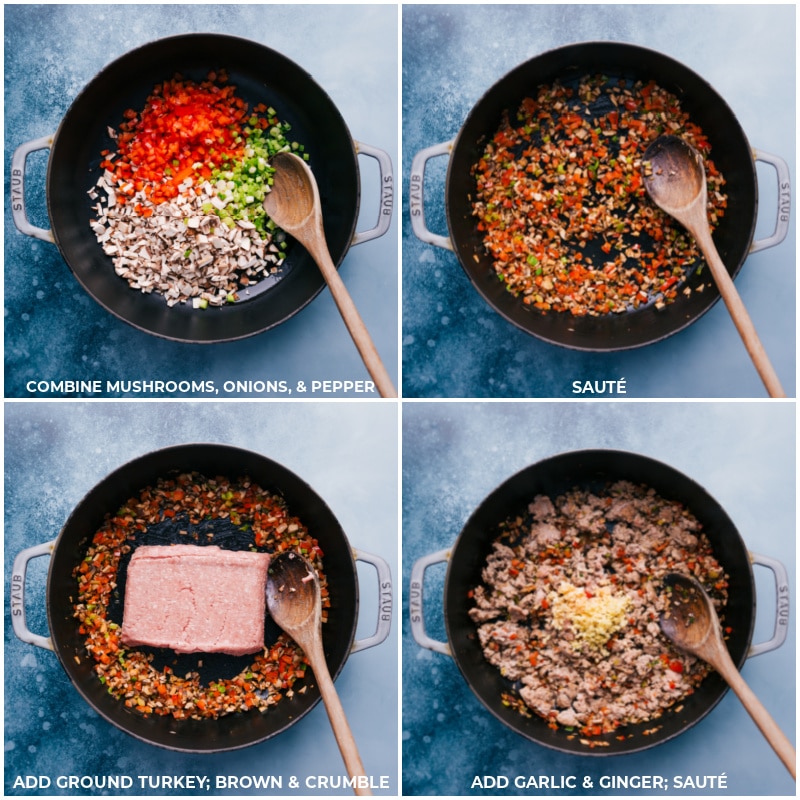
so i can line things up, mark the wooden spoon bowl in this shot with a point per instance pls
(293, 204)
(675, 179)
(691, 623)
(295, 604)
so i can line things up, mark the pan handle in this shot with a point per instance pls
(18, 188)
(784, 201)
(781, 605)
(385, 598)
(416, 194)
(415, 602)
(386, 177)
(18, 573)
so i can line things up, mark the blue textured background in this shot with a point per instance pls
(56, 452)
(54, 330)
(455, 454)
(454, 344)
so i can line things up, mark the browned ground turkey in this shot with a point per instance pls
(568, 611)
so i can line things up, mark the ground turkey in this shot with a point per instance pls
(569, 604)
(195, 599)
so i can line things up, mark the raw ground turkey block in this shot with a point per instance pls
(196, 599)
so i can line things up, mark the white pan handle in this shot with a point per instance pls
(784, 201)
(18, 188)
(18, 573)
(415, 602)
(385, 601)
(416, 194)
(386, 178)
(781, 605)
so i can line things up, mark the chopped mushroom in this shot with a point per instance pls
(561, 204)
(569, 602)
(180, 197)
(129, 673)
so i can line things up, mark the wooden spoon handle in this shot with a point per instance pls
(766, 724)
(339, 723)
(741, 319)
(352, 319)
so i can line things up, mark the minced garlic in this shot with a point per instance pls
(595, 615)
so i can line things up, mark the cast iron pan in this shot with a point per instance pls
(730, 151)
(235, 730)
(260, 75)
(592, 469)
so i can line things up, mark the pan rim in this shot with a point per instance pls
(590, 328)
(244, 318)
(454, 614)
(113, 710)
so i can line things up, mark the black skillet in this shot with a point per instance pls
(260, 75)
(590, 469)
(68, 550)
(730, 150)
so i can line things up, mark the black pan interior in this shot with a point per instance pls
(592, 469)
(179, 530)
(260, 75)
(235, 730)
(730, 151)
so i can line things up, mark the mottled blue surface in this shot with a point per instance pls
(54, 330)
(56, 452)
(455, 454)
(454, 344)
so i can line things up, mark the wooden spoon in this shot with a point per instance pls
(691, 623)
(676, 182)
(293, 204)
(294, 602)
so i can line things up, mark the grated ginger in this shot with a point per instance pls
(595, 616)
